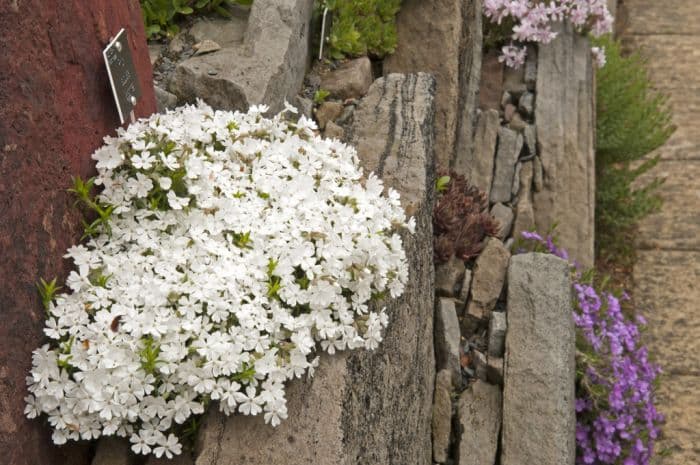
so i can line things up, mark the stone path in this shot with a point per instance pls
(667, 274)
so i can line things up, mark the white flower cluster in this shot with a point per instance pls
(237, 246)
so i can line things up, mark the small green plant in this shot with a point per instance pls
(83, 191)
(632, 120)
(47, 291)
(161, 16)
(320, 96)
(362, 27)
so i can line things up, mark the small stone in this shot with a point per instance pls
(442, 415)
(212, 72)
(489, 276)
(514, 81)
(328, 111)
(154, 51)
(538, 175)
(346, 116)
(510, 144)
(530, 137)
(164, 100)
(447, 336)
(497, 334)
(509, 244)
(531, 68)
(351, 80)
(333, 131)
(178, 44)
(506, 99)
(516, 180)
(526, 104)
(504, 215)
(449, 276)
(304, 105)
(466, 285)
(480, 364)
(508, 112)
(479, 411)
(494, 370)
(206, 46)
(517, 123)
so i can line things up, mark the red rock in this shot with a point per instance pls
(55, 108)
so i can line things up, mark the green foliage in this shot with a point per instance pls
(161, 16)
(320, 96)
(47, 291)
(83, 191)
(362, 27)
(632, 120)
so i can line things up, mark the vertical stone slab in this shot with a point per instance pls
(55, 107)
(364, 407)
(479, 411)
(443, 38)
(538, 398)
(565, 128)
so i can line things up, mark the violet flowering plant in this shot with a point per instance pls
(617, 421)
(532, 22)
(235, 248)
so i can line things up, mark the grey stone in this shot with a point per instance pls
(333, 131)
(442, 415)
(509, 243)
(227, 32)
(515, 188)
(177, 44)
(491, 89)
(113, 450)
(494, 370)
(351, 80)
(466, 286)
(565, 135)
(497, 334)
(480, 364)
(504, 215)
(431, 38)
(517, 123)
(346, 116)
(524, 212)
(206, 46)
(526, 104)
(510, 143)
(538, 175)
(266, 68)
(539, 364)
(480, 422)
(447, 336)
(506, 99)
(489, 274)
(514, 81)
(530, 139)
(304, 105)
(478, 166)
(164, 100)
(154, 51)
(328, 111)
(359, 402)
(508, 112)
(531, 68)
(449, 276)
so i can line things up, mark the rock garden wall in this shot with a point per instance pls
(502, 342)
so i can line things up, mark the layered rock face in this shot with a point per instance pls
(55, 107)
(364, 407)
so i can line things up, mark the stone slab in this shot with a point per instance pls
(479, 411)
(673, 17)
(364, 407)
(538, 400)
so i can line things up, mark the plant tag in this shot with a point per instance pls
(122, 75)
(325, 31)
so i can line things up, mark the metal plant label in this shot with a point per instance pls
(122, 75)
